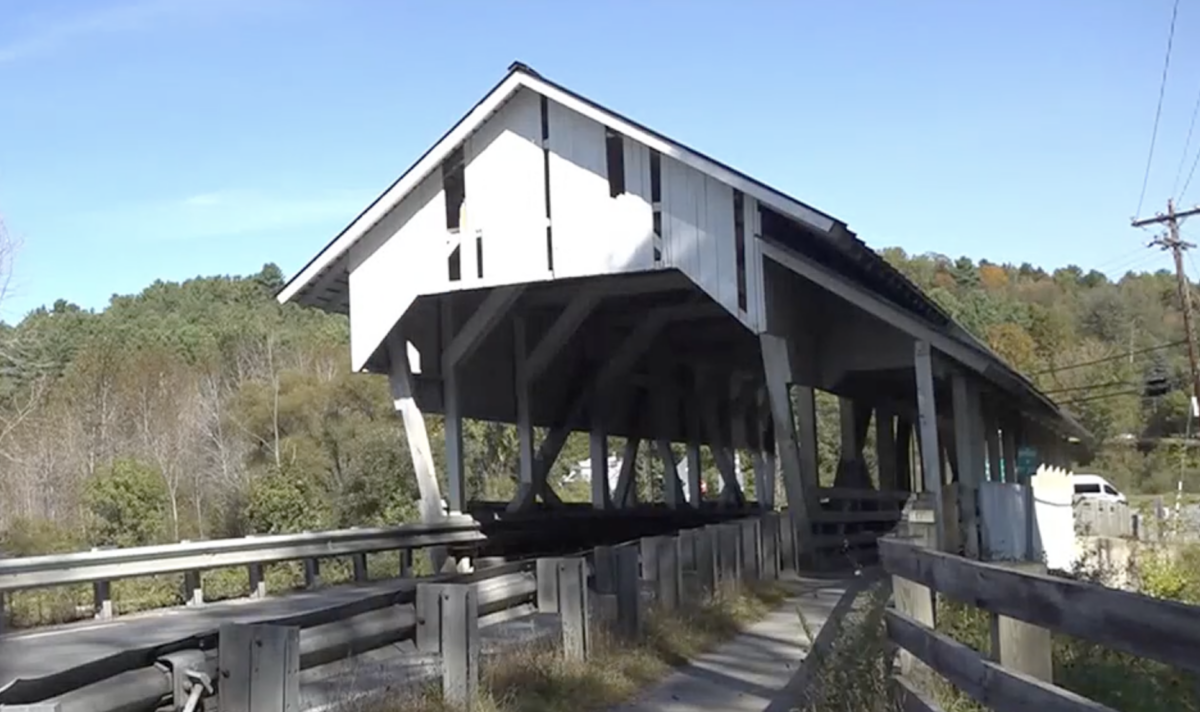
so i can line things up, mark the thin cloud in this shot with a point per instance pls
(225, 214)
(50, 35)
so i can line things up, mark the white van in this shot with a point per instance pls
(1095, 487)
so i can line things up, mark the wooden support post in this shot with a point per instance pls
(360, 568)
(626, 494)
(260, 668)
(694, 471)
(406, 563)
(193, 586)
(672, 488)
(547, 584)
(598, 452)
(525, 457)
(968, 441)
(604, 569)
(885, 448)
(797, 447)
(1009, 437)
(629, 602)
(992, 438)
(312, 573)
(931, 460)
(258, 583)
(1020, 646)
(904, 468)
(452, 421)
(400, 378)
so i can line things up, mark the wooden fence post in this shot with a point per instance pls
(360, 568)
(573, 607)
(604, 577)
(751, 554)
(730, 553)
(312, 573)
(259, 668)
(547, 584)
(660, 569)
(769, 545)
(101, 597)
(706, 560)
(460, 643)
(1018, 645)
(916, 602)
(258, 584)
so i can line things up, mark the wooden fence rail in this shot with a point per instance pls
(1024, 606)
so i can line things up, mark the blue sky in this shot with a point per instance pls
(163, 139)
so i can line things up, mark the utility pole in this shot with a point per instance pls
(1171, 241)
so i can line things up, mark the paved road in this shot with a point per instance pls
(43, 652)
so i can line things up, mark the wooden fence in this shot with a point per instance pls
(1026, 608)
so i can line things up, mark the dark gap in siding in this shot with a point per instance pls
(614, 144)
(656, 201)
(546, 180)
(739, 241)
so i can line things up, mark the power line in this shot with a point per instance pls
(1127, 354)
(1110, 384)
(1186, 145)
(1162, 90)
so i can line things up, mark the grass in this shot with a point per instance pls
(537, 678)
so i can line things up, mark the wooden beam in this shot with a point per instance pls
(561, 331)
(598, 452)
(400, 380)
(481, 323)
(694, 429)
(524, 423)
(931, 453)
(452, 418)
(885, 447)
(626, 494)
(992, 438)
(731, 491)
(968, 442)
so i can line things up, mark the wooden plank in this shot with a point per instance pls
(521, 384)
(1165, 631)
(990, 684)
(931, 460)
(400, 379)
(626, 494)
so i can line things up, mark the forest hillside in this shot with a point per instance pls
(204, 408)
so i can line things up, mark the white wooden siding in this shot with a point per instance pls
(595, 233)
(505, 191)
(403, 256)
(699, 239)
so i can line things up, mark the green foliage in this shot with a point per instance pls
(128, 504)
(288, 500)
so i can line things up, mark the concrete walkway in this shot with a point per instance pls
(751, 671)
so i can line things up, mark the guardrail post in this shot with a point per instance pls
(1018, 645)
(258, 584)
(448, 622)
(406, 563)
(769, 545)
(102, 596)
(629, 597)
(259, 668)
(193, 586)
(360, 568)
(312, 573)
(3, 611)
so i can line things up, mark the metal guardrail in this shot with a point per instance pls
(327, 635)
(99, 567)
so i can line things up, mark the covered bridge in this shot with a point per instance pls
(549, 262)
